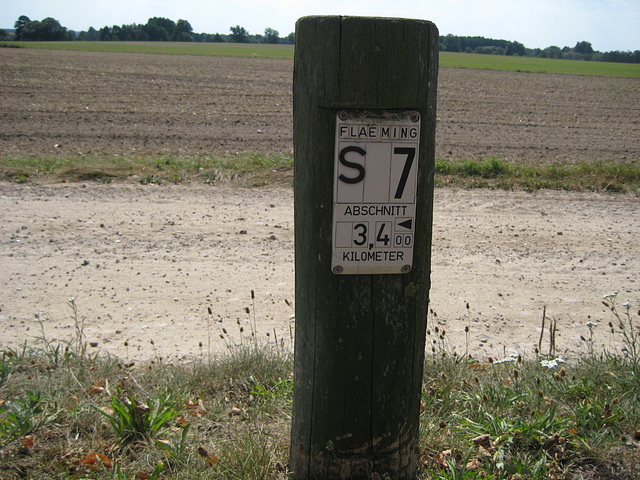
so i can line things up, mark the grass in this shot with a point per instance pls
(495, 173)
(228, 417)
(256, 169)
(539, 65)
(447, 59)
(256, 50)
(249, 169)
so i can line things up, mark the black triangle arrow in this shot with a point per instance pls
(406, 224)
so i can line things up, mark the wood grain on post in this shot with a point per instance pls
(360, 339)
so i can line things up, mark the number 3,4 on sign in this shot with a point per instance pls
(374, 191)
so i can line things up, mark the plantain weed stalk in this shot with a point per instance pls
(67, 350)
(622, 325)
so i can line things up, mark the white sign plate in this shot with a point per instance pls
(374, 192)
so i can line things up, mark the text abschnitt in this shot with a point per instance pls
(375, 210)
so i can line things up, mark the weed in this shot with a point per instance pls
(24, 414)
(176, 452)
(623, 326)
(135, 420)
(497, 173)
(5, 366)
(116, 472)
(66, 350)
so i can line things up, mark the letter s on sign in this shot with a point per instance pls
(347, 163)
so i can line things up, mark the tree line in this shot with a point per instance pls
(165, 30)
(157, 29)
(581, 51)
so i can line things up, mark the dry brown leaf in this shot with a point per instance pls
(442, 457)
(474, 464)
(141, 408)
(97, 388)
(92, 460)
(210, 459)
(483, 441)
(181, 421)
(28, 441)
(196, 409)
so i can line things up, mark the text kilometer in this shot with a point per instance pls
(373, 256)
(373, 210)
(378, 132)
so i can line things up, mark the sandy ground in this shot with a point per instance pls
(146, 263)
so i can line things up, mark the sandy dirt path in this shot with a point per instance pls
(145, 264)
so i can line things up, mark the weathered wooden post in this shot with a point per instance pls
(364, 133)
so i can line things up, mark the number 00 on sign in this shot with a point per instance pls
(374, 192)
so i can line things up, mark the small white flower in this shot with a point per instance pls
(512, 358)
(592, 325)
(611, 295)
(552, 363)
(627, 305)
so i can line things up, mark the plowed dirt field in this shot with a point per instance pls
(58, 102)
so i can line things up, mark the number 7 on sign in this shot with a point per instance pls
(401, 188)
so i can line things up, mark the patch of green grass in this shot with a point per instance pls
(252, 50)
(539, 65)
(447, 59)
(256, 170)
(249, 169)
(496, 173)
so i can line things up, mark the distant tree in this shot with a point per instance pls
(105, 34)
(450, 43)
(271, 36)
(168, 25)
(583, 47)
(291, 38)
(92, 34)
(3, 34)
(551, 52)
(621, 57)
(217, 38)
(490, 50)
(47, 30)
(131, 32)
(116, 33)
(183, 32)
(156, 33)
(515, 48)
(239, 34)
(21, 26)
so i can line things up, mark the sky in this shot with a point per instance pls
(607, 24)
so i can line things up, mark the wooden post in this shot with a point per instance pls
(361, 312)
